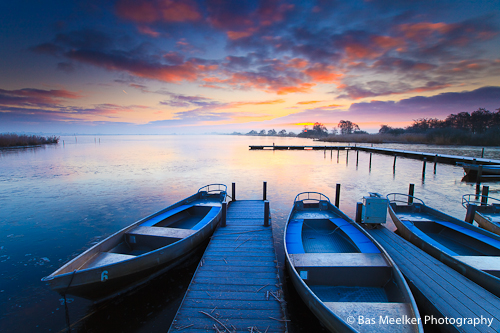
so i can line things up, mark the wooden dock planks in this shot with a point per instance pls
(236, 283)
(445, 292)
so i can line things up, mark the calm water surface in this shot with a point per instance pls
(56, 201)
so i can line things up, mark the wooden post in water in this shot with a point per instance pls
(233, 193)
(347, 156)
(266, 213)
(482, 153)
(484, 195)
(423, 167)
(479, 174)
(337, 196)
(359, 211)
(394, 164)
(264, 191)
(411, 191)
(357, 157)
(471, 211)
(338, 154)
(435, 163)
(370, 166)
(224, 214)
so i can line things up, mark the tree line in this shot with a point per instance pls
(477, 122)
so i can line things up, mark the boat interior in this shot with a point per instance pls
(337, 261)
(160, 230)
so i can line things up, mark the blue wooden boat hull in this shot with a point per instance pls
(342, 274)
(471, 251)
(141, 251)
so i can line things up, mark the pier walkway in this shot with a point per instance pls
(429, 157)
(441, 291)
(236, 285)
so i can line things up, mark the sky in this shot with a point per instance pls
(169, 66)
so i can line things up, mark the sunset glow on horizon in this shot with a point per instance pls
(170, 66)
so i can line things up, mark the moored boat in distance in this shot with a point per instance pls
(471, 251)
(342, 274)
(487, 215)
(143, 250)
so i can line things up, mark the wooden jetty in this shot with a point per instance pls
(236, 285)
(439, 290)
(313, 147)
(430, 157)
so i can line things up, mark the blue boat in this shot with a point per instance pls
(487, 211)
(471, 251)
(143, 250)
(342, 274)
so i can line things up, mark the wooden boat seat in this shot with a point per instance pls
(338, 260)
(381, 312)
(210, 215)
(484, 263)
(161, 232)
(364, 244)
(294, 236)
(107, 258)
(158, 218)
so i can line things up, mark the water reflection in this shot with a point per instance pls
(62, 199)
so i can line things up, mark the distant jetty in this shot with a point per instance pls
(10, 140)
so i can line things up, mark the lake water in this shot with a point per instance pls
(57, 201)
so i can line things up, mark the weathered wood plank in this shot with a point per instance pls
(212, 288)
(449, 292)
(259, 294)
(234, 277)
(254, 304)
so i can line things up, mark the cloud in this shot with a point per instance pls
(179, 100)
(149, 11)
(440, 105)
(35, 97)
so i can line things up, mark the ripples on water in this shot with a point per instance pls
(59, 200)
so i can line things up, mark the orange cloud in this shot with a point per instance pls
(323, 73)
(309, 102)
(303, 88)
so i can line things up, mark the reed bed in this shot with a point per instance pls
(23, 140)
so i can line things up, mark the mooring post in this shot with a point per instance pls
(479, 174)
(484, 195)
(224, 214)
(370, 166)
(423, 167)
(394, 164)
(357, 157)
(435, 163)
(233, 196)
(482, 153)
(266, 213)
(347, 156)
(264, 191)
(411, 191)
(338, 154)
(471, 211)
(359, 211)
(337, 196)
